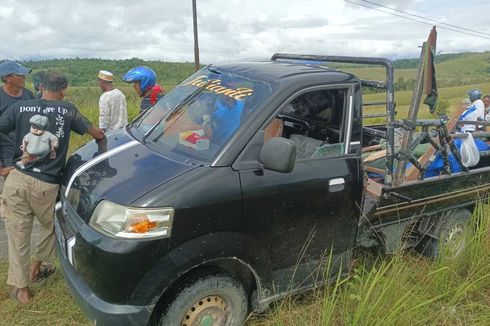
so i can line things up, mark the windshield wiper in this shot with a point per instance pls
(176, 108)
(213, 70)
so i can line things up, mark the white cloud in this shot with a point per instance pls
(230, 29)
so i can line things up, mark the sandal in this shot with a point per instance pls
(14, 295)
(44, 272)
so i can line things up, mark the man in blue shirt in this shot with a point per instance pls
(225, 119)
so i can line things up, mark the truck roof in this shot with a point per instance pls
(283, 70)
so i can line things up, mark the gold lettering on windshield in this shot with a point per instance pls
(243, 92)
(215, 86)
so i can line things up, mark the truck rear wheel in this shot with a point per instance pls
(452, 236)
(216, 300)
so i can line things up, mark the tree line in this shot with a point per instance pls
(83, 72)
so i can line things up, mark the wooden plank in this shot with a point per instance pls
(374, 156)
(371, 148)
(431, 42)
(423, 83)
(374, 188)
(412, 116)
(374, 169)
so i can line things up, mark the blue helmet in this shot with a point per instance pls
(474, 94)
(145, 75)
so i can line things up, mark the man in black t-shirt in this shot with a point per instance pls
(37, 81)
(13, 76)
(32, 186)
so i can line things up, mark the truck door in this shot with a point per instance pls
(302, 216)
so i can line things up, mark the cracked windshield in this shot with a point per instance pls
(198, 117)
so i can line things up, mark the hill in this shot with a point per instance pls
(452, 70)
(83, 72)
(455, 69)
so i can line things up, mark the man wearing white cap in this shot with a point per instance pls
(113, 113)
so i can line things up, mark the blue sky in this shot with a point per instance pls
(232, 30)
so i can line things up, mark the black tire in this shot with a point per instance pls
(452, 236)
(216, 300)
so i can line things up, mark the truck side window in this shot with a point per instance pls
(313, 120)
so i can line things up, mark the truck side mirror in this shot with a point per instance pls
(278, 154)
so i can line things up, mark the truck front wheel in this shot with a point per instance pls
(216, 300)
(452, 236)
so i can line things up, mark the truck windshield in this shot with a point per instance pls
(199, 116)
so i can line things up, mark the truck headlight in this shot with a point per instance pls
(128, 222)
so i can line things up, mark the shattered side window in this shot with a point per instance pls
(314, 122)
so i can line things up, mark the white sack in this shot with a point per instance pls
(470, 156)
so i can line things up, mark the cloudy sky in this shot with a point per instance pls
(231, 30)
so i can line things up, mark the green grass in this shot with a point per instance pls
(52, 304)
(453, 95)
(403, 289)
(472, 68)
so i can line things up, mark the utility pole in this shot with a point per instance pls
(196, 42)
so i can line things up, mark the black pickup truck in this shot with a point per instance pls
(236, 189)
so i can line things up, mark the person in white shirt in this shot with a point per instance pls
(486, 102)
(113, 112)
(475, 112)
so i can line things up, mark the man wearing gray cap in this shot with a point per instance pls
(13, 76)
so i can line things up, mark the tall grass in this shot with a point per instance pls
(402, 289)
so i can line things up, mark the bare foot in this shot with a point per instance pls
(22, 295)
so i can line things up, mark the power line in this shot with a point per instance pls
(415, 20)
(428, 19)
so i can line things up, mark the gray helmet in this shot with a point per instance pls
(474, 94)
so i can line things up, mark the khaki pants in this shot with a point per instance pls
(2, 181)
(23, 198)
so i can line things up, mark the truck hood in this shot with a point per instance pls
(120, 170)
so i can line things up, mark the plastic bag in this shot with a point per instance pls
(470, 156)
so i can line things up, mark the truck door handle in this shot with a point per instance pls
(336, 184)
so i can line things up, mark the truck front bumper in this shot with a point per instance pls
(97, 310)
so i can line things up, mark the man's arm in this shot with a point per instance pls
(480, 107)
(100, 139)
(6, 170)
(104, 112)
(82, 125)
(7, 121)
(96, 133)
(7, 124)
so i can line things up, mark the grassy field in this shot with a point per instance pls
(403, 289)
(472, 68)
